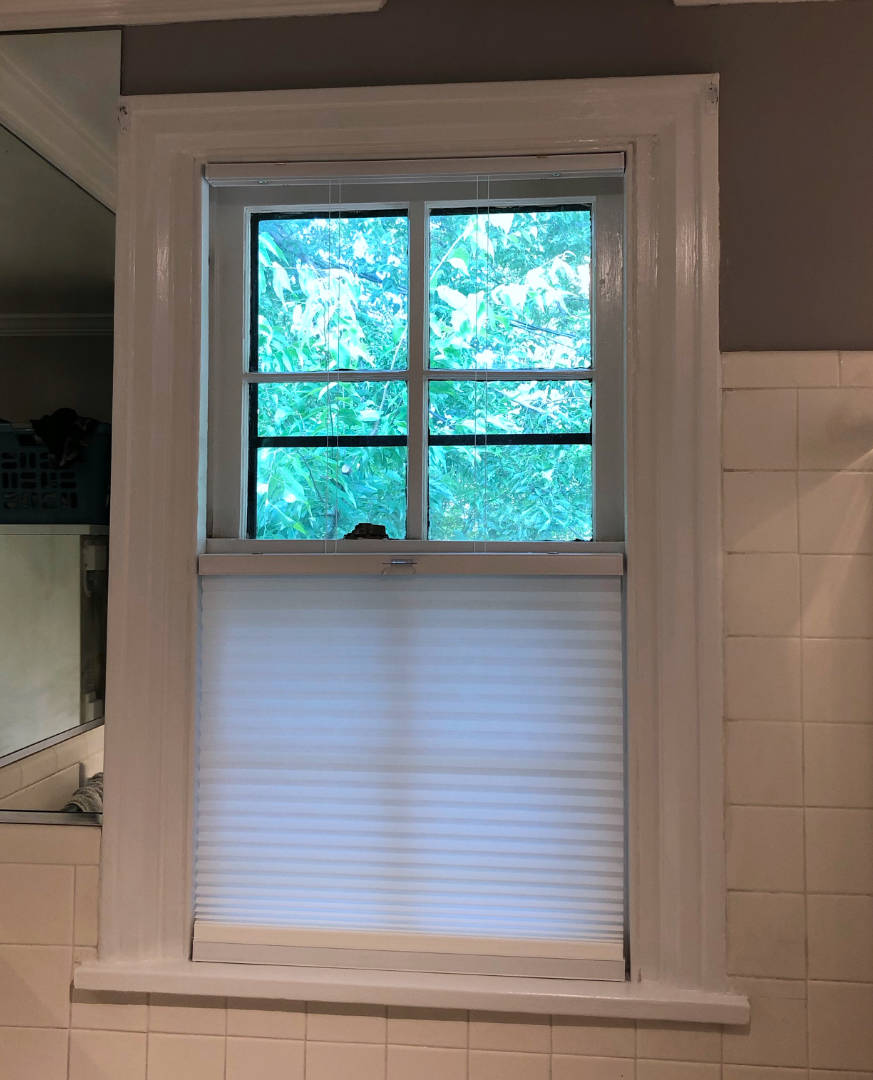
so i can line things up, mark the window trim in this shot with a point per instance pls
(667, 127)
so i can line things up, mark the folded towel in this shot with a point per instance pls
(88, 799)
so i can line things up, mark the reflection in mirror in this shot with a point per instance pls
(56, 278)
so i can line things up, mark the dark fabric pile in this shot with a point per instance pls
(88, 799)
(64, 434)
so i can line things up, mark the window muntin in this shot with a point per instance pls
(351, 485)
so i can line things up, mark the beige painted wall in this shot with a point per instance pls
(798, 491)
(41, 374)
(795, 152)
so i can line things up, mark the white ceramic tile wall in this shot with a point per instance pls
(799, 846)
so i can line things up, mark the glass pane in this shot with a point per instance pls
(317, 493)
(526, 493)
(510, 288)
(519, 408)
(332, 292)
(348, 408)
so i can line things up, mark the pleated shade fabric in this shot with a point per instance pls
(413, 758)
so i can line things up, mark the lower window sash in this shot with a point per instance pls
(247, 944)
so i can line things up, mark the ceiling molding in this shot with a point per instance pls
(30, 110)
(52, 14)
(56, 324)
(713, 3)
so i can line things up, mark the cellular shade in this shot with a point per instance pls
(412, 771)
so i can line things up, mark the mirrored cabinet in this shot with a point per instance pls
(57, 192)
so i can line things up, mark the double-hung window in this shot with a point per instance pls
(402, 759)
(411, 744)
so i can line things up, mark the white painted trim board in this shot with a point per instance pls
(667, 127)
(45, 14)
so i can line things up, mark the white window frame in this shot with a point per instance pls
(667, 129)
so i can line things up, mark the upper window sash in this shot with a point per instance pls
(593, 181)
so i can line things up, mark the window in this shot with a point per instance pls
(418, 352)
(416, 769)
(666, 128)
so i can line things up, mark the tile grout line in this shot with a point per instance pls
(551, 1045)
(148, 1034)
(791, 806)
(72, 969)
(467, 1015)
(788, 720)
(724, 723)
(724, 733)
(306, 1038)
(802, 718)
(813, 637)
(75, 870)
(224, 1038)
(783, 470)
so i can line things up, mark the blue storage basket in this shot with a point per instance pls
(34, 491)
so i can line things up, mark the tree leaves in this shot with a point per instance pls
(507, 290)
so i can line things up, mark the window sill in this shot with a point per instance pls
(636, 1001)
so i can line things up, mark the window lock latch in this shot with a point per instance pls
(399, 566)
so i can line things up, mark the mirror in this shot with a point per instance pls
(57, 181)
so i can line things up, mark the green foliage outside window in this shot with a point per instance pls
(508, 290)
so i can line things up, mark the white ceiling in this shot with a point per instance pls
(56, 240)
(82, 70)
